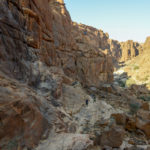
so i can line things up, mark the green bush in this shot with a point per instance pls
(145, 98)
(136, 67)
(146, 78)
(122, 84)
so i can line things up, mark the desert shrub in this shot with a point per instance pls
(145, 98)
(146, 78)
(138, 77)
(121, 83)
(134, 107)
(136, 67)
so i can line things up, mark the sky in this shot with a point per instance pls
(122, 19)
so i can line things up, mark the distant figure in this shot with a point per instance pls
(93, 97)
(85, 32)
(86, 102)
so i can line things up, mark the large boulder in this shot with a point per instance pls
(113, 137)
(23, 114)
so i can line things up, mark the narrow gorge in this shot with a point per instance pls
(68, 86)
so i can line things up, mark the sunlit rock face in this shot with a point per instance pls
(130, 50)
(146, 44)
(123, 51)
(93, 66)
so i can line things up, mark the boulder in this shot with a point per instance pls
(119, 118)
(144, 126)
(130, 124)
(113, 137)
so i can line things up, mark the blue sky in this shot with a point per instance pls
(122, 19)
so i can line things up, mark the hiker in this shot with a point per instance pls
(86, 102)
(93, 97)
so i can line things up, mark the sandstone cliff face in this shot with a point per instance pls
(137, 68)
(130, 50)
(31, 31)
(91, 60)
(41, 30)
(39, 53)
(115, 49)
(42, 53)
(124, 51)
(146, 45)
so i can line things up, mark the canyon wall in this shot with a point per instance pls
(124, 51)
(42, 55)
(146, 45)
(42, 31)
(91, 61)
(130, 49)
(40, 50)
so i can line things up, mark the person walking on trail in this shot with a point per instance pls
(86, 102)
(93, 97)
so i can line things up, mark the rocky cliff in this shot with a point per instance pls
(42, 31)
(137, 68)
(146, 45)
(124, 51)
(130, 50)
(56, 83)
(40, 51)
(92, 61)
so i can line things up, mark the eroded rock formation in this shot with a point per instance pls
(124, 51)
(130, 50)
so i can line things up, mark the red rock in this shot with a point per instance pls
(130, 124)
(113, 137)
(144, 126)
(21, 118)
(52, 41)
(119, 118)
(34, 36)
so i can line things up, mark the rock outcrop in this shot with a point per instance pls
(146, 45)
(124, 51)
(137, 68)
(93, 66)
(130, 50)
